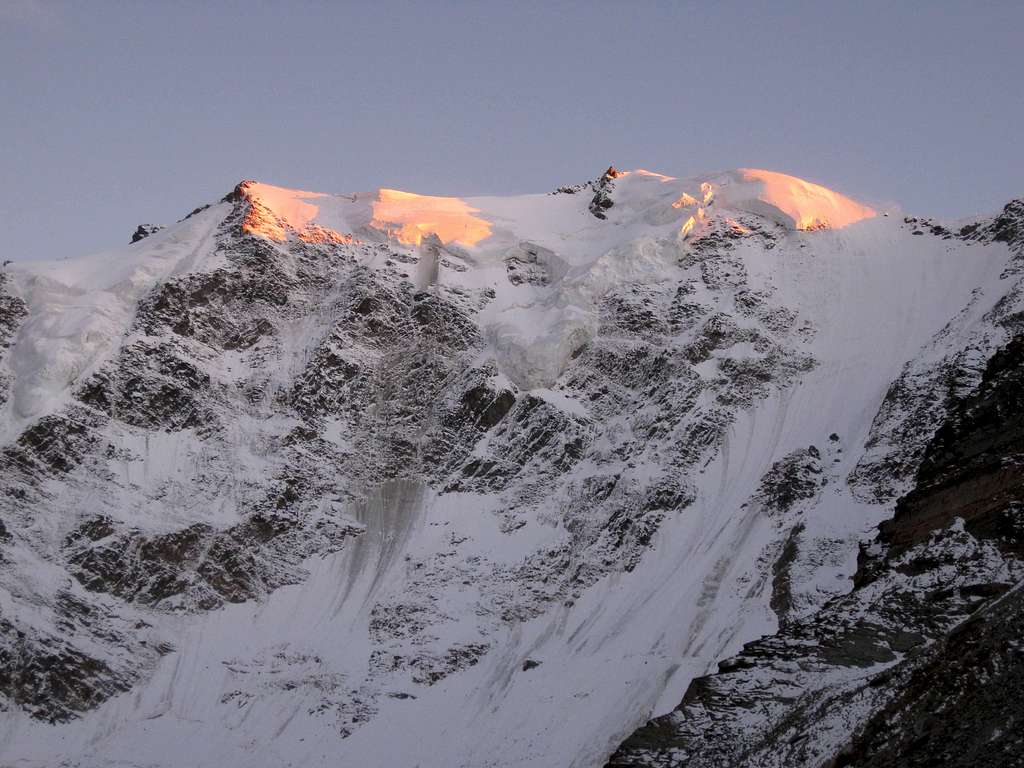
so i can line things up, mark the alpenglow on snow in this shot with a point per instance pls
(646, 471)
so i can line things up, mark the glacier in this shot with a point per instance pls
(387, 479)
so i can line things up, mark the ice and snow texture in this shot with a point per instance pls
(787, 336)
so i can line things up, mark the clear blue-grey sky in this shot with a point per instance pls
(116, 113)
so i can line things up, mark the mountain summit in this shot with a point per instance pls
(277, 213)
(390, 479)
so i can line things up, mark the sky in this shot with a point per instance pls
(118, 113)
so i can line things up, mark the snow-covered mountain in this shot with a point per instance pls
(384, 479)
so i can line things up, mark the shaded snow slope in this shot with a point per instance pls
(391, 479)
(919, 664)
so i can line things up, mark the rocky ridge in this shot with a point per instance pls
(354, 428)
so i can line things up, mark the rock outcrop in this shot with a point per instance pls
(921, 663)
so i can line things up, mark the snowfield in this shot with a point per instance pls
(507, 456)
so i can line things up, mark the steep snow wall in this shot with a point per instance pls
(484, 503)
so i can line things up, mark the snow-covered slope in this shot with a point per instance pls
(386, 479)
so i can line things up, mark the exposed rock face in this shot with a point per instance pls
(144, 230)
(974, 465)
(533, 264)
(960, 704)
(291, 479)
(387, 385)
(198, 566)
(923, 649)
(12, 312)
(790, 480)
(56, 674)
(602, 200)
(602, 188)
(1007, 227)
